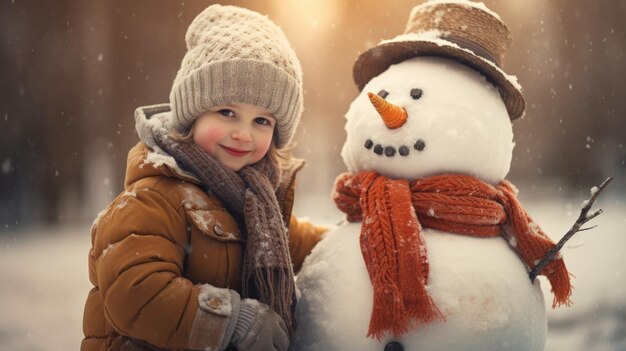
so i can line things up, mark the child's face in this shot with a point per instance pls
(236, 134)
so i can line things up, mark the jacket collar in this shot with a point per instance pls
(157, 119)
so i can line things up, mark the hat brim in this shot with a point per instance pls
(376, 60)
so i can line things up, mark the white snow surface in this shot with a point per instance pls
(460, 117)
(44, 279)
(43, 286)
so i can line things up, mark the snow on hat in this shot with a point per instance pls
(460, 30)
(235, 55)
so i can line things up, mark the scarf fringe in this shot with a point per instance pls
(391, 314)
(273, 287)
(561, 286)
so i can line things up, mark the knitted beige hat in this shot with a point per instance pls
(461, 30)
(235, 55)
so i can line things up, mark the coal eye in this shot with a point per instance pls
(416, 93)
(383, 93)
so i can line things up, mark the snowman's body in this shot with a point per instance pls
(479, 284)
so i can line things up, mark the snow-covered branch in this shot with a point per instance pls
(583, 218)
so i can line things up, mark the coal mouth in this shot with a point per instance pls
(391, 151)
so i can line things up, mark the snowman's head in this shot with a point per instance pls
(448, 119)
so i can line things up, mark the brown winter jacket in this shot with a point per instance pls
(154, 248)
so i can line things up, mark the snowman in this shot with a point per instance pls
(437, 249)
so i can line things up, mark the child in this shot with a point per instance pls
(194, 253)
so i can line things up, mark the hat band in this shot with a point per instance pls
(476, 48)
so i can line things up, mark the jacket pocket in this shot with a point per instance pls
(218, 225)
(215, 252)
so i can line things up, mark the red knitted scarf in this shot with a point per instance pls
(393, 212)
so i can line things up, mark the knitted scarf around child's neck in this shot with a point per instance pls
(394, 211)
(250, 194)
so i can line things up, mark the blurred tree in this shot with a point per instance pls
(41, 109)
(73, 72)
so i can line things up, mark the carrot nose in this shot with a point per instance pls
(393, 116)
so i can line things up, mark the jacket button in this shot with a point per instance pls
(218, 230)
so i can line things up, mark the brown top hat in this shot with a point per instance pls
(460, 30)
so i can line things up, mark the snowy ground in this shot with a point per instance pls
(43, 279)
(597, 259)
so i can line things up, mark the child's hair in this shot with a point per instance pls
(277, 156)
